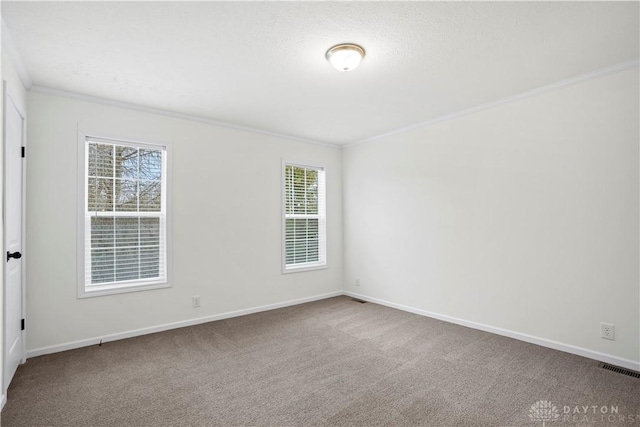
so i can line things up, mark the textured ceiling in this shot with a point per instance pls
(262, 65)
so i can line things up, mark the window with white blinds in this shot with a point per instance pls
(125, 217)
(304, 222)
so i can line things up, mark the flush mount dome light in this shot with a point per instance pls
(345, 57)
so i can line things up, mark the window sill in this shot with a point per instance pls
(98, 291)
(310, 267)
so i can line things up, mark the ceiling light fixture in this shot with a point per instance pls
(345, 56)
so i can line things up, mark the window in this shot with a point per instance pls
(123, 240)
(304, 222)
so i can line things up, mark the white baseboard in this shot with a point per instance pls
(167, 326)
(614, 360)
(3, 400)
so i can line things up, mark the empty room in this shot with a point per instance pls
(320, 213)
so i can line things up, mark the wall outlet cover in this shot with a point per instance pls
(607, 331)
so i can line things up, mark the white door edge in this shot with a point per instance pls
(6, 97)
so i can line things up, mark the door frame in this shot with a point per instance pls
(6, 98)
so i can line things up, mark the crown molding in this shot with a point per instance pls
(633, 63)
(174, 114)
(10, 48)
(601, 72)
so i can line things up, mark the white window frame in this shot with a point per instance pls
(322, 222)
(85, 291)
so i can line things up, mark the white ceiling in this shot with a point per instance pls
(262, 65)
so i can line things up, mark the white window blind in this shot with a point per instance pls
(304, 217)
(125, 221)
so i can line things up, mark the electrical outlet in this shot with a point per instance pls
(607, 331)
(196, 301)
(357, 282)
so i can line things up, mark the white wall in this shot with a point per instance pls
(15, 86)
(226, 222)
(522, 217)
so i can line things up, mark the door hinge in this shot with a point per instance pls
(22, 325)
(24, 151)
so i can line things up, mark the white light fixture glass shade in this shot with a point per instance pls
(345, 57)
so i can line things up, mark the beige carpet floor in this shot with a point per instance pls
(332, 362)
